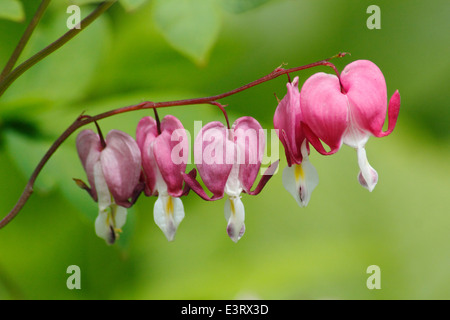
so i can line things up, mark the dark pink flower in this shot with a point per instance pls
(349, 110)
(113, 172)
(228, 161)
(299, 177)
(164, 159)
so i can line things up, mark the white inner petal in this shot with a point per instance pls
(120, 217)
(109, 222)
(111, 217)
(368, 177)
(102, 226)
(233, 187)
(354, 136)
(103, 194)
(300, 180)
(168, 212)
(235, 215)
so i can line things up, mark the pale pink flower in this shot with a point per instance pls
(164, 159)
(113, 171)
(228, 161)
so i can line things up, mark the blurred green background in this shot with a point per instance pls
(169, 50)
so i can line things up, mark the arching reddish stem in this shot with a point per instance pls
(83, 120)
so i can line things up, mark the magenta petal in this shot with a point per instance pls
(214, 156)
(270, 171)
(287, 119)
(316, 143)
(171, 154)
(365, 87)
(324, 109)
(249, 137)
(89, 149)
(149, 167)
(287, 149)
(146, 129)
(146, 133)
(192, 175)
(194, 185)
(121, 164)
(393, 111)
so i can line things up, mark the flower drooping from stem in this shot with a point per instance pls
(299, 177)
(113, 169)
(348, 110)
(164, 147)
(228, 161)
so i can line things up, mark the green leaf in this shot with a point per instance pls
(12, 10)
(190, 26)
(240, 6)
(131, 5)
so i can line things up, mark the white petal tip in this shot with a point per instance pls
(368, 176)
(233, 234)
(168, 214)
(169, 231)
(235, 216)
(300, 180)
(373, 180)
(109, 222)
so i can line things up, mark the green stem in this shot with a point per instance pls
(17, 72)
(25, 37)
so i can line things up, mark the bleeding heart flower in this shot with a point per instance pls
(164, 148)
(228, 161)
(349, 110)
(113, 168)
(299, 177)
